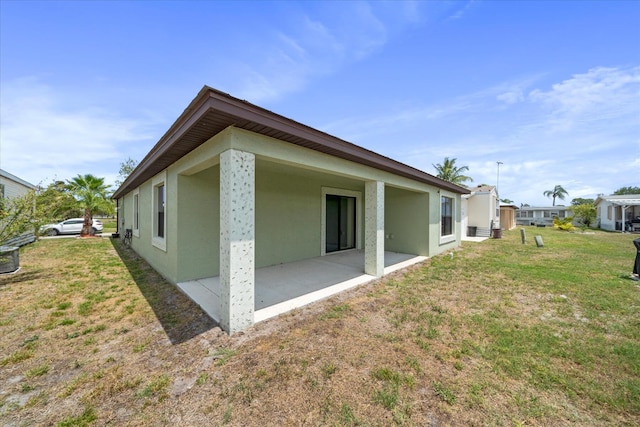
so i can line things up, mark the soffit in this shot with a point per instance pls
(213, 111)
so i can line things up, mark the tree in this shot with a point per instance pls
(56, 203)
(585, 213)
(627, 190)
(450, 172)
(558, 192)
(91, 194)
(507, 201)
(17, 216)
(580, 201)
(126, 168)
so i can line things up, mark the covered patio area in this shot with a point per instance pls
(284, 287)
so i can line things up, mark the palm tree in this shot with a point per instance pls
(450, 172)
(91, 194)
(558, 192)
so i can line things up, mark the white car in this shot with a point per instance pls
(70, 226)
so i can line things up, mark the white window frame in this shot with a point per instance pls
(448, 237)
(135, 219)
(158, 181)
(323, 223)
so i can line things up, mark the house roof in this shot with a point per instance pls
(14, 178)
(482, 188)
(212, 111)
(621, 199)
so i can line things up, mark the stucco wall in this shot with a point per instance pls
(406, 221)
(437, 243)
(289, 211)
(198, 231)
(161, 260)
(288, 207)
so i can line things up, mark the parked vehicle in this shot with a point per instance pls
(70, 226)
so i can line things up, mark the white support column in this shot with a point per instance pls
(237, 231)
(374, 228)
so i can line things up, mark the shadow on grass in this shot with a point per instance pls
(22, 275)
(180, 317)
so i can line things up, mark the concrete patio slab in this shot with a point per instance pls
(284, 287)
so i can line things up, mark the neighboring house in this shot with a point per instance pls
(480, 211)
(508, 216)
(611, 210)
(541, 215)
(231, 188)
(11, 186)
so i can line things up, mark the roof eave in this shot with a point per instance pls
(209, 99)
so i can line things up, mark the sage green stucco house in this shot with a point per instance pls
(232, 188)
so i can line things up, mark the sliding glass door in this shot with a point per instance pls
(341, 223)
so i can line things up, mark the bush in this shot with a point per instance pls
(17, 216)
(585, 214)
(565, 224)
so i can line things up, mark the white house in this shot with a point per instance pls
(615, 210)
(480, 211)
(11, 186)
(541, 215)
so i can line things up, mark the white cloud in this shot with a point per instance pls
(43, 138)
(595, 96)
(511, 97)
(459, 13)
(583, 133)
(598, 87)
(319, 41)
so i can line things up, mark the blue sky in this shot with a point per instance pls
(551, 89)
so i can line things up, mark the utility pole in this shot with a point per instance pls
(498, 180)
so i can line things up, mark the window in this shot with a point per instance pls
(446, 216)
(609, 213)
(136, 213)
(158, 221)
(159, 229)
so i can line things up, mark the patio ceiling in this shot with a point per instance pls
(213, 111)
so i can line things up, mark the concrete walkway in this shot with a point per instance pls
(284, 287)
(473, 239)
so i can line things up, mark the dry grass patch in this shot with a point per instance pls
(498, 334)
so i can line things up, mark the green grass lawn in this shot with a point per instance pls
(494, 333)
(109, 225)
